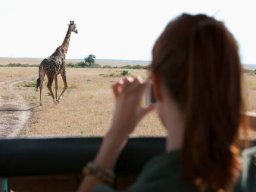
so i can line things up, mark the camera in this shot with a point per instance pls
(150, 97)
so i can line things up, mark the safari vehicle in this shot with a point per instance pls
(55, 164)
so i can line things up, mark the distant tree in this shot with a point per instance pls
(90, 59)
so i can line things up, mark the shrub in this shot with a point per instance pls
(134, 67)
(20, 65)
(107, 66)
(71, 65)
(82, 64)
(117, 73)
(124, 73)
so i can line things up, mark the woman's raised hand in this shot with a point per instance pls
(129, 110)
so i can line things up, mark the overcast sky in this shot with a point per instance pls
(112, 29)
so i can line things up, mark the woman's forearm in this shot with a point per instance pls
(106, 158)
(128, 112)
(110, 150)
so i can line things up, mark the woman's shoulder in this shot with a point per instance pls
(247, 180)
(162, 173)
(249, 152)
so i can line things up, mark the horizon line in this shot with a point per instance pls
(75, 58)
(103, 59)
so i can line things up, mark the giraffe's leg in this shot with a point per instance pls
(49, 86)
(56, 88)
(63, 75)
(41, 78)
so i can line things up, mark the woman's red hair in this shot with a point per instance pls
(197, 59)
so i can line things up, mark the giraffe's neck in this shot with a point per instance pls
(66, 41)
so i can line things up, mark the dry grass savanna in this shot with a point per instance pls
(85, 109)
(87, 106)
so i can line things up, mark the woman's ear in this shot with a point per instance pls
(157, 87)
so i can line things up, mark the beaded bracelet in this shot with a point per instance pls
(106, 176)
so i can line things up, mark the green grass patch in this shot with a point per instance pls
(61, 86)
(80, 65)
(27, 84)
(134, 67)
(18, 65)
(83, 65)
(72, 86)
(121, 73)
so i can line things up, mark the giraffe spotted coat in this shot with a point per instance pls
(55, 65)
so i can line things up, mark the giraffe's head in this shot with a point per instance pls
(72, 27)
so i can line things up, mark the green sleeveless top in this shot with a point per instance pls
(163, 173)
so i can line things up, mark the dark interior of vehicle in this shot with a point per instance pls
(55, 164)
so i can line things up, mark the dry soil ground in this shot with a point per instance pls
(14, 110)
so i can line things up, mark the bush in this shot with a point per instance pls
(107, 66)
(93, 65)
(117, 73)
(134, 67)
(124, 73)
(20, 65)
(82, 64)
(71, 65)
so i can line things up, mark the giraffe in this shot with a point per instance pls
(55, 65)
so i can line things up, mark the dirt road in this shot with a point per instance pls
(14, 110)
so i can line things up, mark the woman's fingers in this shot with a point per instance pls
(146, 110)
(131, 89)
(117, 87)
(122, 85)
(127, 82)
(137, 85)
(128, 109)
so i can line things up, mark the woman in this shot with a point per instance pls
(196, 78)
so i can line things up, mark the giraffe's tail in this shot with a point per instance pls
(40, 70)
(37, 84)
